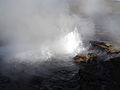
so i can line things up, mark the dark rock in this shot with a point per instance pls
(101, 75)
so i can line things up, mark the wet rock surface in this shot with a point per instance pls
(91, 76)
(94, 74)
(101, 75)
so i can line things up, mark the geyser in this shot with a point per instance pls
(72, 43)
(37, 30)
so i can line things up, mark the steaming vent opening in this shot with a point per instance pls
(72, 43)
(67, 46)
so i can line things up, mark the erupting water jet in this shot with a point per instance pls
(72, 42)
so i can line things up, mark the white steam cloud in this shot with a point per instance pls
(36, 30)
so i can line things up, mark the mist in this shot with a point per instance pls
(38, 25)
(35, 31)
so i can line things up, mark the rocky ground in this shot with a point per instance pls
(100, 75)
(92, 74)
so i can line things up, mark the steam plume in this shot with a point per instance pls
(36, 30)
